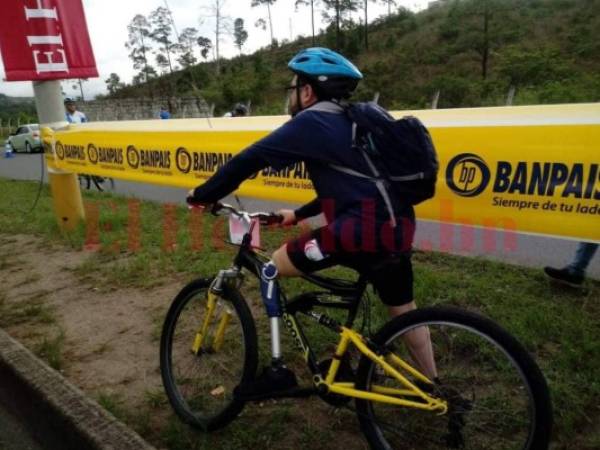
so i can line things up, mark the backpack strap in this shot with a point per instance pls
(376, 178)
(411, 177)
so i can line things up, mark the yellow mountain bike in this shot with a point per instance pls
(492, 394)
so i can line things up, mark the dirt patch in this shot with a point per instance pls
(110, 338)
(109, 343)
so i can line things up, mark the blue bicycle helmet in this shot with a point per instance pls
(331, 74)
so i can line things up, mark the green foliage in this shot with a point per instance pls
(472, 51)
(558, 325)
(239, 33)
(17, 110)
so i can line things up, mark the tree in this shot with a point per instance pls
(205, 45)
(312, 4)
(239, 33)
(78, 84)
(113, 83)
(483, 22)
(162, 26)
(336, 12)
(366, 34)
(268, 3)
(143, 77)
(163, 63)
(187, 42)
(222, 26)
(390, 3)
(137, 44)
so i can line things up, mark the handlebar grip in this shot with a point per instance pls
(192, 204)
(216, 207)
(271, 219)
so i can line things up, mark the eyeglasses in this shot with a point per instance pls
(295, 86)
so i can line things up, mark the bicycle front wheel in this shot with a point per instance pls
(208, 346)
(497, 396)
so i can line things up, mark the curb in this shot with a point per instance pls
(57, 414)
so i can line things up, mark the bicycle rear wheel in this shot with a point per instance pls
(199, 375)
(496, 394)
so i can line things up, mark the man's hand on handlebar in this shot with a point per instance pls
(192, 204)
(289, 217)
(284, 217)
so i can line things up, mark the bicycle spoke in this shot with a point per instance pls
(200, 386)
(487, 396)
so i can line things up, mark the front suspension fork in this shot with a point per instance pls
(201, 337)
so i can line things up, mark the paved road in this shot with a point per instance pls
(13, 435)
(532, 251)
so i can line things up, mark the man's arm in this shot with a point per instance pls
(279, 149)
(229, 177)
(311, 209)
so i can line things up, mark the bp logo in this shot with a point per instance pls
(92, 153)
(60, 150)
(133, 157)
(183, 160)
(467, 175)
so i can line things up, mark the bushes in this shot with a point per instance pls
(411, 56)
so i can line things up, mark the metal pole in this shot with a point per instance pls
(66, 196)
(48, 102)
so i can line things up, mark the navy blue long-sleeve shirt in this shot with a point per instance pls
(320, 136)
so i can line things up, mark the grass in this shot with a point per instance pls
(32, 310)
(50, 349)
(113, 403)
(559, 326)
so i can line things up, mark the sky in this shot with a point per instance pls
(108, 19)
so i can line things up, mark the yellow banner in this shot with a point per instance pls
(533, 169)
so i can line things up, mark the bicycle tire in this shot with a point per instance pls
(190, 411)
(537, 436)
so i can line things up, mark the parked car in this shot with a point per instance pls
(26, 139)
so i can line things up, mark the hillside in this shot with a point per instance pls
(16, 107)
(547, 50)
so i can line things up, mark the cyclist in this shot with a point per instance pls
(239, 110)
(359, 233)
(72, 114)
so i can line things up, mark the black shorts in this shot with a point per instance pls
(390, 274)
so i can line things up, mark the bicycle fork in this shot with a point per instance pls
(212, 302)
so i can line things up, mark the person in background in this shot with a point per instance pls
(239, 110)
(72, 114)
(164, 113)
(574, 273)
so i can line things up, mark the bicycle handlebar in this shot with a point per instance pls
(264, 218)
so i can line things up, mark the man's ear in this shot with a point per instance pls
(312, 95)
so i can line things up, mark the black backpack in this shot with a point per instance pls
(399, 154)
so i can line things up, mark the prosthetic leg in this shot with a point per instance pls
(276, 378)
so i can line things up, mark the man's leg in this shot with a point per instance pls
(574, 273)
(276, 377)
(583, 255)
(284, 265)
(393, 281)
(418, 342)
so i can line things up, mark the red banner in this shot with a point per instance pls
(45, 40)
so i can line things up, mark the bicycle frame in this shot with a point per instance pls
(410, 396)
